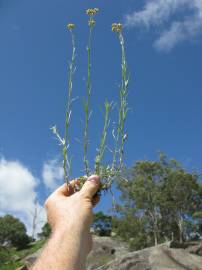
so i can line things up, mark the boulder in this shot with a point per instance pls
(104, 250)
(156, 258)
(110, 254)
(195, 249)
(130, 261)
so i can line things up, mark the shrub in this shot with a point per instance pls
(13, 232)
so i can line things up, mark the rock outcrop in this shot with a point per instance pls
(110, 254)
(195, 249)
(104, 250)
(156, 258)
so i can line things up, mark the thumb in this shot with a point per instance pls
(91, 186)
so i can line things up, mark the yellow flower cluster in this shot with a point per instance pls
(92, 11)
(71, 26)
(117, 27)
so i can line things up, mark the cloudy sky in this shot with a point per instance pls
(164, 44)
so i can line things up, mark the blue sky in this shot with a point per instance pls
(164, 44)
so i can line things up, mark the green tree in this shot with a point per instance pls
(181, 198)
(161, 199)
(45, 231)
(132, 230)
(198, 216)
(102, 224)
(143, 193)
(13, 232)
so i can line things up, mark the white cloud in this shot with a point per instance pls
(17, 193)
(52, 174)
(178, 32)
(157, 13)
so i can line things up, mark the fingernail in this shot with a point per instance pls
(94, 179)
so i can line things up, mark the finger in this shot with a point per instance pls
(91, 186)
(67, 189)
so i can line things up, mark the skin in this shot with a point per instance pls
(70, 216)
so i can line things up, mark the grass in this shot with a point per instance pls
(33, 247)
(11, 266)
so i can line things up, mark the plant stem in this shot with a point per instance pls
(120, 137)
(102, 147)
(87, 106)
(64, 142)
(123, 100)
(66, 159)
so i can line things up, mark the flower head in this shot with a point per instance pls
(70, 26)
(92, 11)
(117, 27)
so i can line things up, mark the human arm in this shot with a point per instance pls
(70, 216)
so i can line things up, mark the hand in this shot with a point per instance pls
(70, 212)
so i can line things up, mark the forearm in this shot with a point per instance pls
(65, 250)
(70, 216)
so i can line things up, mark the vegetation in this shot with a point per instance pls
(102, 224)
(11, 266)
(45, 231)
(7, 255)
(161, 201)
(4, 255)
(13, 232)
(107, 172)
(14, 242)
